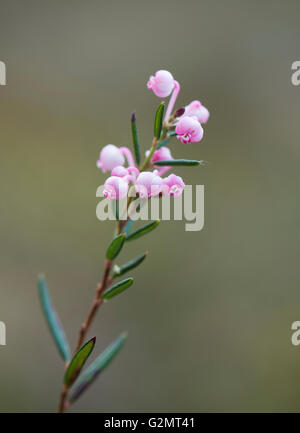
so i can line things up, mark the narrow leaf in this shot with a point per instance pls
(115, 246)
(52, 320)
(135, 139)
(177, 162)
(158, 122)
(78, 362)
(117, 288)
(120, 270)
(92, 372)
(143, 230)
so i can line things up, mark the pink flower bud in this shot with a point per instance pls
(188, 129)
(125, 173)
(119, 171)
(173, 185)
(148, 184)
(110, 157)
(162, 154)
(115, 188)
(162, 83)
(195, 108)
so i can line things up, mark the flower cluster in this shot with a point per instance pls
(185, 123)
(147, 179)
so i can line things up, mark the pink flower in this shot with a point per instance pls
(188, 129)
(195, 108)
(173, 185)
(162, 83)
(110, 157)
(162, 154)
(125, 173)
(148, 184)
(115, 188)
(119, 171)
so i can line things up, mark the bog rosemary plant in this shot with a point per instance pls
(146, 180)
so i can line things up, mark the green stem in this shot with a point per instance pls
(155, 143)
(148, 159)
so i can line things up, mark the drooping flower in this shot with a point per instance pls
(162, 83)
(115, 188)
(173, 185)
(148, 184)
(119, 171)
(110, 157)
(195, 108)
(162, 154)
(188, 130)
(125, 173)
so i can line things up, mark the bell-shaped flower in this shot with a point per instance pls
(195, 108)
(126, 173)
(119, 171)
(162, 154)
(173, 185)
(188, 130)
(110, 157)
(148, 184)
(162, 83)
(115, 188)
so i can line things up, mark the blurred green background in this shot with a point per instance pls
(210, 313)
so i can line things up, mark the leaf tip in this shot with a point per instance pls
(41, 277)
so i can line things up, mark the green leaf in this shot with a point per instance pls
(158, 121)
(143, 230)
(78, 362)
(53, 320)
(120, 270)
(117, 288)
(177, 162)
(92, 372)
(135, 138)
(115, 246)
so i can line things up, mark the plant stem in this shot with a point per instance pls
(95, 305)
(148, 159)
(62, 400)
(62, 406)
(106, 281)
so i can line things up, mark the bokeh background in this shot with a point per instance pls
(210, 313)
